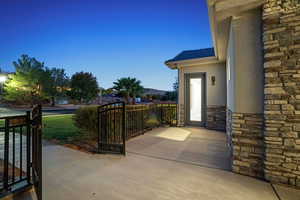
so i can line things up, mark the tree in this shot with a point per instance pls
(84, 87)
(172, 95)
(107, 91)
(176, 85)
(58, 83)
(27, 84)
(128, 88)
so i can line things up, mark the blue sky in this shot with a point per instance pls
(110, 38)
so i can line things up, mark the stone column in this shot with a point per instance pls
(281, 38)
(245, 94)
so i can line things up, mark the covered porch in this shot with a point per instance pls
(158, 165)
(191, 145)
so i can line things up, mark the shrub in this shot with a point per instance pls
(151, 121)
(85, 118)
(138, 117)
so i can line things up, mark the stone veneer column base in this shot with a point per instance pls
(245, 133)
(216, 118)
(181, 114)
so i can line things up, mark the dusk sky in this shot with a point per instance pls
(110, 38)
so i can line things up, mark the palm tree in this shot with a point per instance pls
(128, 88)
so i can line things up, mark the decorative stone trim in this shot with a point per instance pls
(216, 118)
(181, 115)
(281, 39)
(245, 133)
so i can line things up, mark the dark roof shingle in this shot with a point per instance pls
(193, 54)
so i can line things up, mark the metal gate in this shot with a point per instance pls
(21, 152)
(111, 128)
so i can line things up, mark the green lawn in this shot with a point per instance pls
(59, 127)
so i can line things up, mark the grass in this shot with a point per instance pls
(60, 128)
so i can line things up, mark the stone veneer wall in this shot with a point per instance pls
(216, 118)
(281, 37)
(245, 134)
(181, 114)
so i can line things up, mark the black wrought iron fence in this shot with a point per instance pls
(118, 122)
(18, 147)
(140, 118)
(15, 150)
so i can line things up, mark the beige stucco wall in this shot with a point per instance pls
(216, 94)
(230, 71)
(245, 64)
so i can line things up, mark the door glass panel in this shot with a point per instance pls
(195, 99)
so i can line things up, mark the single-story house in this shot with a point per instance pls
(249, 85)
(202, 88)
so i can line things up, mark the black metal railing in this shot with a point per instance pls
(140, 118)
(15, 151)
(17, 147)
(118, 122)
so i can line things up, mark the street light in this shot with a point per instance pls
(3, 79)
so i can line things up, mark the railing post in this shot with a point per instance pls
(98, 128)
(161, 114)
(6, 155)
(28, 146)
(143, 118)
(169, 113)
(39, 153)
(123, 127)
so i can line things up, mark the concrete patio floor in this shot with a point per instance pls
(71, 174)
(189, 144)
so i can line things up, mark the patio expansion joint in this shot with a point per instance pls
(275, 191)
(178, 161)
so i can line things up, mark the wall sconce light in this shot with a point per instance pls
(213, 80)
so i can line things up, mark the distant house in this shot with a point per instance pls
(252, 74)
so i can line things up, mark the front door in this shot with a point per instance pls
(195, 99)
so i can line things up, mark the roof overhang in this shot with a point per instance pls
(220, 14)
(192, 62)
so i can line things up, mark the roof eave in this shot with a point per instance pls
(192, 62)
(213, 27)
(220, 12)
